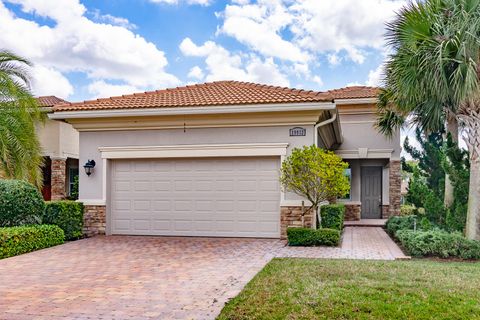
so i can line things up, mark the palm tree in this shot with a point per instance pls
(20, 152)
(432, 78)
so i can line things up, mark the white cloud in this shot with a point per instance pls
(318, 81)
(101, 88)
(333, 59)
(375, 77)
(223, 65)
(259, 27)
(116, 21)
(77, 44)
(196, 72)
(48, 81)
(199, 2)
(331, 27)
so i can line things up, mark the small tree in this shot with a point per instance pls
(315, 174)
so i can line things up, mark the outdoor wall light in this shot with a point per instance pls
(89, 167)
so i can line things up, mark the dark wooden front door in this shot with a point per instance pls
(371, 192)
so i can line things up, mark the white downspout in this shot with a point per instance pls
(321, 124)
(318, 125)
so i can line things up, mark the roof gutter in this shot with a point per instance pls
(61, 115)
(356, 101)
(338, 133)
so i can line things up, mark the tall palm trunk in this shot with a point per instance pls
(452, 128)
(469, 118)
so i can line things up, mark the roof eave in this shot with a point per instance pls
(117, 113)
(369, 100)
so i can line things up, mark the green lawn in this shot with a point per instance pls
(348, 289)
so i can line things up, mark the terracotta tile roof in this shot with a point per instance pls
(355, 92)
(49, 101)
(207, 94)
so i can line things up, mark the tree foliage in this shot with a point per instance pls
(435, 158)
(315, 174)
(20, 152)
(433, 77)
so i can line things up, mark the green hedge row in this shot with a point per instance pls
(18, 240)
(20, 203)
(68, 215)
(438, 243)
(312, 237)
(332, 216)
(396, 223)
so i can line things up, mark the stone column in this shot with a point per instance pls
(59, 180)
(94, 220)
(292, 217)
(395, 188)
(353, 211)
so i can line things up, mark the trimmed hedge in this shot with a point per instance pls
(311, 237)
(23, 239)
(68, 215)
(333, 216)
(438, 243)
(396, 223)
(20, 203)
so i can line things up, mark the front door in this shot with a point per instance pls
(371, 192)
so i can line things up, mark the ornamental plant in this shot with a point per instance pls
(315, 174)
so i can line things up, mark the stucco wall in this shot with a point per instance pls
(58, 139)
(359, 132)
(91, 187)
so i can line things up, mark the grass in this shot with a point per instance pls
(347, 289)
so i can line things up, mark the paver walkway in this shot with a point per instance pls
(370, 243)
(127, 277)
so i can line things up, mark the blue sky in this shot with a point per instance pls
(89, 49)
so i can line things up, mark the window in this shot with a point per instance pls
(348, 174)
(72, 173)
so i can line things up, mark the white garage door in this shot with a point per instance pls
(225, 197)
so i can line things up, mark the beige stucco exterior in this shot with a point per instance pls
(58, 139)
(92, 142)
(363, 145)
(110, 136)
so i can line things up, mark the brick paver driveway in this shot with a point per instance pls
(122, 277)
(130, 278)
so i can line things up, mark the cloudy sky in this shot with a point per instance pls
(87, 49)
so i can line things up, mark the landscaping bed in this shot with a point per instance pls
(27, 223)
(424, 241)
(352, 289)
(328, 233)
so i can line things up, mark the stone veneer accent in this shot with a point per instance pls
(94, 220)
(395, 189)
(385, 210)
(292, 217)
(353, 212)
(58, 178)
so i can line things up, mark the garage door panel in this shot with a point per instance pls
(236, 197)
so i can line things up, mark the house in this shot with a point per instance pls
(204, 160)
(59, 142)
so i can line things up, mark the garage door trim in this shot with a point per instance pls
(197, 151)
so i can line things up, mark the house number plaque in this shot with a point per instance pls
(298, 132)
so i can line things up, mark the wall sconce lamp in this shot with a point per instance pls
(89, 167)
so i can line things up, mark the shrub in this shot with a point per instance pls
(396, 223)
(314, 174)
(20, 203)
(23, 239)
(310, 237)
(332, 216)
(438, 243)
(68, 215)
(407, 210)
